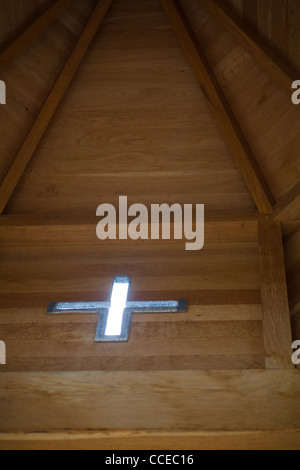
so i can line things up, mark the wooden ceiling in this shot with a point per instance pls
(123, 114)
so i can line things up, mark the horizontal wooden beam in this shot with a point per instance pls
(267, 58)
(164, 401)
(288, 207)
(32, 32)
(54, 99)
(275, 305)
(149, 440)
(35, 231)
(223, 113)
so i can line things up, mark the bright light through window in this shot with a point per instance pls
(116, 312)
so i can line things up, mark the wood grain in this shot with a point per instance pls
(288, 207)
(276, 315)
(33, 32)
(151, 440)
(223, 113)
(37, 131)
(189, 401)
(273, 64)
(292, 258)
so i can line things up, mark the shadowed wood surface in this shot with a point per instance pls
(32, 32)
(292, 256)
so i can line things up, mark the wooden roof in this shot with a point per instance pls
(166, 102)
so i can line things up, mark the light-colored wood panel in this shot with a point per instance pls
(135, 363)
(83, 268)
(265, 112)
(230, 127)
(56, 198)
(142, 440)
(196, 297)
(195, 313)
(148, 112)
(232, 401)
(139, 347)
(34, 66)
(41, 123)
(20, 231)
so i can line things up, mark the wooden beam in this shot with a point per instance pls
(168, 401)
(42, 231)
(275, 305)
(149, 440)
(54, 99)
(288, 207)
(279, 70)
(33, 32)
(224, 115)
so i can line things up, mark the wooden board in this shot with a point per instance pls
(222, 329)
(47, 111)
(36, 66)
(192, 401)
(142, 440)
(147, 131)
(264, 110)
(32, 32)
(276, 315)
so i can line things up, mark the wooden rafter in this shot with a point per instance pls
(50, 106)
(32, 32)
(276, 315)
(288, 207)
(280, 71)
(223, 113)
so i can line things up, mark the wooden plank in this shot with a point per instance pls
(288, 207)
(229, 125)
(41, 123)
(276, 315)
(35, 231)
(159, 401)
(33, 32)
(150, 440)
(279, 70)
